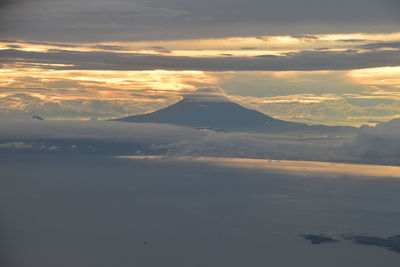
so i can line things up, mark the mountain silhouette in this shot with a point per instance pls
(223, 115)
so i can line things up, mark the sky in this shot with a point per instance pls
(329, 62)
(79, 190)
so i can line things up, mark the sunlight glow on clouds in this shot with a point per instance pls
(262, 72)
(218, 46)
(385, 76)
(120, 81)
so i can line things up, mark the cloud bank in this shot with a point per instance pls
(376, 145)
(166, 19)
(299, 61)
(380, 143)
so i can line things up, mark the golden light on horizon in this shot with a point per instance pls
(213, 46)
(56, 81)
(24, 77)
(383, 76)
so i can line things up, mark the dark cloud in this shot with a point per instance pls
(305, 37)
(160, 49)
(304, 60)
(13, 46)
(181, 19)
(319, 239)
(382, 45)
(391, 243)
(351, 40)
(108, 47)
(157, 47)
(273, 56)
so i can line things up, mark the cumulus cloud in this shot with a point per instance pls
(247, 145)
(169, 140)
(378, 144)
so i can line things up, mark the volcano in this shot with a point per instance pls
(223, 115)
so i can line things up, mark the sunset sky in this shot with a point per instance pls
(215, 133)
(330, 62)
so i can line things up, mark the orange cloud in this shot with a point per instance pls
(93, 83)
(385, 76)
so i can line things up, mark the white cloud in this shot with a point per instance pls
(380, 144)
(247, 145)
(16, 145)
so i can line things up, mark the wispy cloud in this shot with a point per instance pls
(303, 60)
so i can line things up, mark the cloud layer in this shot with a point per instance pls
(90, 20)
(377, 145)
(303, 60)
(107, 59)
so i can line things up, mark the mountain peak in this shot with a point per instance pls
(209, 94)
(211, 108)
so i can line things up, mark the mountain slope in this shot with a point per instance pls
(220, 115)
